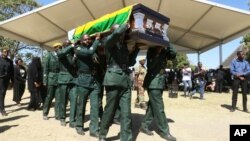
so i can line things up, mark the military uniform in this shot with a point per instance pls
(117, 84)
(65, 83)
(98, 72)
(155, 83)
(64, 56)
(85, 84)
(50, 78)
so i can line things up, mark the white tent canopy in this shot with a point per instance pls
(195, 26)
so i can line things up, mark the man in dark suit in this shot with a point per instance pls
(117, 82)
(6, 74)
(154, 82)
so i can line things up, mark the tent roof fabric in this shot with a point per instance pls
(195, 25)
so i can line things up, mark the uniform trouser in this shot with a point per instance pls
(3, 88)
(236, 84)
(52, 93)
(83, 94)
(63, 92)
(117, 97)
(156, 110)
(73, 105)
(100, 102)
(94, 108)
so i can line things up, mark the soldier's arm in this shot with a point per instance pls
(151, 63)
(170, 52)
(63, 56)
(63, 52)
(46, 70)
(133, 55)
(88, 52)
(112, 39)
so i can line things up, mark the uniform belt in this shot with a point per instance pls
(84, 71)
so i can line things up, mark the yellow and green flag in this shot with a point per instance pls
(104, 23)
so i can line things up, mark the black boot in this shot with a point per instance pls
(146, 131)
(169, 137)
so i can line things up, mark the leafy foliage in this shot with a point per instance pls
(12, 8)
(178, 62)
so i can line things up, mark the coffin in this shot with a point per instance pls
(148, 28)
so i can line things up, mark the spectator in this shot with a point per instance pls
(19, 81)
(220, 74)
(199, 80)
(6, 74)
(186, 78)
(35, 83)
(239, 68)
(140, 74)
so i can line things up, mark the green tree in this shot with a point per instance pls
(246, 41)
(178, 62)
(12, 8)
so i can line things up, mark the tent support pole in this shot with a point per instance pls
(199, 53)
(220, 52)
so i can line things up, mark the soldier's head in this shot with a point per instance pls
(66, 43)
(86, 40)
(57, 46)
(5, 52)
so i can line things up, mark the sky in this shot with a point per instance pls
(213, 54)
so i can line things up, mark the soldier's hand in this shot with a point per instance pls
(128, 25)
(98, 36)
(242, 78)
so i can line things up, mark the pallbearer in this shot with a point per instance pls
(50, 78)
(155, 83)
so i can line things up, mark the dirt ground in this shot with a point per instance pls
(189, 120)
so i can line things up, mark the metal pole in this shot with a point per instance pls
(220, 52)
(41, 53)
(199, 56)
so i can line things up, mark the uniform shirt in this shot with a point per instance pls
(239, 67)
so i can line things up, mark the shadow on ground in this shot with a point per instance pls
(12, 118)
(226, 106)
(6, 127)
